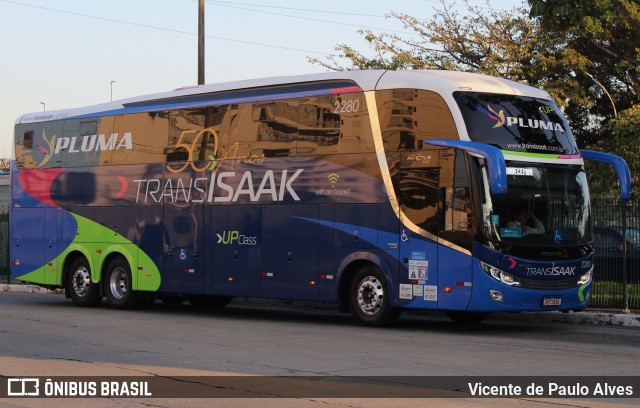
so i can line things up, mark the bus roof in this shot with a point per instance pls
(443, 82)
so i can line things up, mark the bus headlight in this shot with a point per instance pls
(500, 275)
(584, 279)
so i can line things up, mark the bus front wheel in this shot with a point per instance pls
(82, 291)
(369, 298)
(118, 285)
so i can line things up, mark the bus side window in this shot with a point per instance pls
(148, 132)
(409, 116)
(264, 129)
(455, 199)
(319, 126)
(334, 124)
(194, 135)
(418, 197)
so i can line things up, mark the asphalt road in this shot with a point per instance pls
(45, 335)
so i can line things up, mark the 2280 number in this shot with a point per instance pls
(352, 105)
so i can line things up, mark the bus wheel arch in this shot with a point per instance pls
(78, 283)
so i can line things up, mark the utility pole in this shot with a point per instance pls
(200, 42)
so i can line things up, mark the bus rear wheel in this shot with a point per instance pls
(118, 285)
(81, 290)
(369, 298)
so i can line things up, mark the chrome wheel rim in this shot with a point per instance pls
(81, 280)
(370, 295)
(118, 283)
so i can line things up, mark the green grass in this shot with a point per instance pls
(611, 294)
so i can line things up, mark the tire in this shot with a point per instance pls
(81, 290)
(212, 302)
(118, 285)
(467, 318)
(369, 298)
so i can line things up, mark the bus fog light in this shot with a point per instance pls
(496, 295)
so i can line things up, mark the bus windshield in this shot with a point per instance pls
(545, 205)
(516, 123)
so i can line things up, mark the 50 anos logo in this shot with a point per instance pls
(232, 237)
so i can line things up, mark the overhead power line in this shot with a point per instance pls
(312, 19)
(112, 20)
(343, 13)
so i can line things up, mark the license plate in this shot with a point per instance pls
(551, 301)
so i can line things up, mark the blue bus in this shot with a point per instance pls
(375, 190)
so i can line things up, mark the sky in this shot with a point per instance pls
(59, 54)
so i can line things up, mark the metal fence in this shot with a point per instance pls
(4, 248)
(616, 280)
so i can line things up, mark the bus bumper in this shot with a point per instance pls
(490, 295)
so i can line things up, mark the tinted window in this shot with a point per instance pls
(418, 197)
(148, 131)
(455, 199)
(409, 116)
(516, 123)
(264, 129)
(194, 136)
(334, 124)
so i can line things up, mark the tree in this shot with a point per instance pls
(606, 33)
(621, 139)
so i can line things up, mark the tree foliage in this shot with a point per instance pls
(607, 34)
(620, 137)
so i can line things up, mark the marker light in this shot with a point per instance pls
(500, 275)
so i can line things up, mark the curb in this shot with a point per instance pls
(588, 317)
(21, 288)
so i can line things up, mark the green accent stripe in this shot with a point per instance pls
(580, 292)
(91, 237)
(527, 154)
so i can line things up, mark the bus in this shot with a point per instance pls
(378, 191)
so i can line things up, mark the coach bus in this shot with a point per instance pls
(375, 190)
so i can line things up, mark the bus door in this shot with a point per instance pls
(183, 270)
(435, 239)
(455, 232)
(418, 200)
